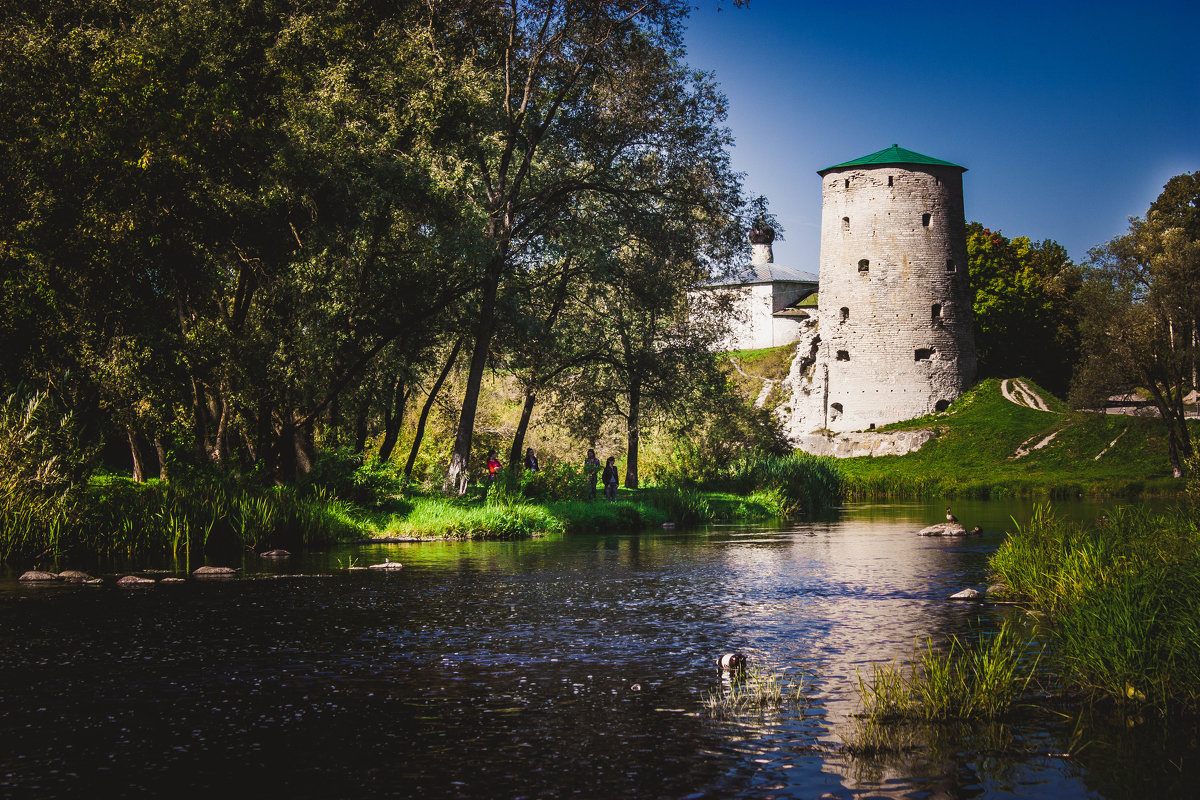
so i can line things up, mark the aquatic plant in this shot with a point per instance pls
(1122, 596)
(981, 678)
(760, 688)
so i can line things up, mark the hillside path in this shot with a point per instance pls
(1021, 393)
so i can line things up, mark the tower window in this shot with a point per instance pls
(950, 265)
(835, 411)
(889, 180)
(845, 223)
(843, 355)
(845, 313)
(925, 218)
(923, 354)
(937, 181)
(942, 405)
(864, 265)
(937, 313)
(847, 183)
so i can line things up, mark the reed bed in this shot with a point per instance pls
(1122, 597)
(977, 679)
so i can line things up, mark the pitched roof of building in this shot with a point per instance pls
(892, 155)
(769, 273)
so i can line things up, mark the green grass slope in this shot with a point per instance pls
(979, 436)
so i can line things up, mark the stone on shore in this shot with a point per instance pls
(36, 576)
(967, 594)
(944, 529)
(134, 580)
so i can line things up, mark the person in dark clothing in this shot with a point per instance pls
(610, 479)
(591, 468)
(530, 460)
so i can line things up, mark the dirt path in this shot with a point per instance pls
(768, 383)
(1021, 393)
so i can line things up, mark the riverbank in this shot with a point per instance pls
(987, 446)
(206, 512)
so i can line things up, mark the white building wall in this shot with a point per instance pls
(895, 310)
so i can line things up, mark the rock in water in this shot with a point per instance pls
(944, 529)
(73, 575)
(967, 594)
(134, 580)
(34, 576)
(275, 554)
(173, 580)
(387, 565)
(215, 572)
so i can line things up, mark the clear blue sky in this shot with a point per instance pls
(1069, 116)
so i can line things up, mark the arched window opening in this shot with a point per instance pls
(942, 405)
(845, 223)
(845, 313)
(925, 218)
(835, 411)
(923, 354)
(864, 265)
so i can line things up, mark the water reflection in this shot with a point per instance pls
(573, 665)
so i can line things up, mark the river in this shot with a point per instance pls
(568, 666)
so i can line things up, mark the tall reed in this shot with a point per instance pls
(1123, 599)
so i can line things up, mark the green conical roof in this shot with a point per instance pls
(892, 155)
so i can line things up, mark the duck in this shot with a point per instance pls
(950, 517)
(732, 664)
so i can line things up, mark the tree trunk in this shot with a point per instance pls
(360, 425)
(516, 455)
(425, 409)
(139, 454)
(634, 422)
(161, 449)
(457, 475)
(393, 419)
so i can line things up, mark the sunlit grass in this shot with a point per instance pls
(977, 679)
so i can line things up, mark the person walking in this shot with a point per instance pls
(591, 469)
(610, 479)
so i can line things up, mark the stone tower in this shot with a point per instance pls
(896, 336)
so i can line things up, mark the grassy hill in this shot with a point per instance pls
(978, 440)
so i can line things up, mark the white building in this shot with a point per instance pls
(772, 300)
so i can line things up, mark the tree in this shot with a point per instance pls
(1140, 305)
(584, 93)
(238, 198)
(1025, 323)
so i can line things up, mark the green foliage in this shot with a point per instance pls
(981, 678)
(558, 481)
(1124, 599)
(347, 476)
(1025, 320)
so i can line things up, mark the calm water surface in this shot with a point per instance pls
(574, 666)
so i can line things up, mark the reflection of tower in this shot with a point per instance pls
(895, 308)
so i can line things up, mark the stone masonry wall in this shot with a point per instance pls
(895, 310)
